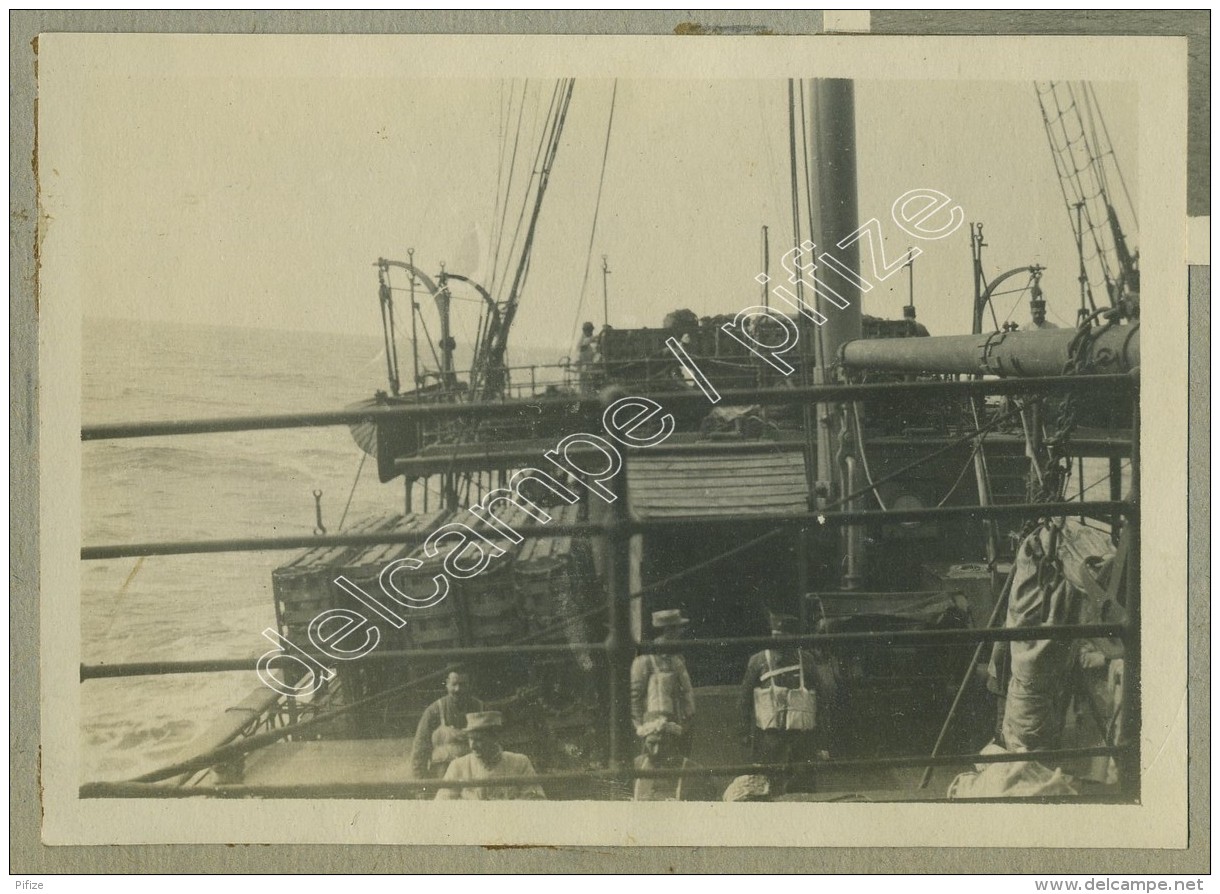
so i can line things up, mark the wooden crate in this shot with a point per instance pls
(488, 599)
(435, 627)
(303, 587)
(549, 580)
(542, 576)
(363, 567)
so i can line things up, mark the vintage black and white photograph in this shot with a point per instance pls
(570, 431)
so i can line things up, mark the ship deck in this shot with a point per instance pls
(330, 762)
(338, 762)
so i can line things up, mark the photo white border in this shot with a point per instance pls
(1157, 65)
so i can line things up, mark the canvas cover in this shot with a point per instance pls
(1059, 579)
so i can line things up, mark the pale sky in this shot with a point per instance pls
(265, 201)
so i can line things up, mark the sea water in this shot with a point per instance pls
(243, 484)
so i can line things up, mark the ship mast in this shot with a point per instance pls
(490, 365)
(1084, 157)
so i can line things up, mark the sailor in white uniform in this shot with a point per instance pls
(488, 760)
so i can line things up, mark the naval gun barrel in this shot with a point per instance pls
(1043, 352)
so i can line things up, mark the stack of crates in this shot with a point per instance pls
(363, 678)
(488, 598)
(436, 626)
(303, 587)
(546, 579)
(541, 572)
(626, 345)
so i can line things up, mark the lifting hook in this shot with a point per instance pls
(319, 528)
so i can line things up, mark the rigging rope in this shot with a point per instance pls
(508, 190)
(1021, 293)
(563, 100)
(601, 179)
(431, 343)
(1070, 118)
(525, 200)
(495, 211)
(868, 473)
(1121, 179)
(1107, 477)
(772, 168)
(352, 493)
(807, 420)
(1095, 145)
(955, 443)
(962, 474)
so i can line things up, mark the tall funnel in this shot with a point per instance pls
(833, 212)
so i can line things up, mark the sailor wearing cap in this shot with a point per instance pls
(487, 760)
(1037, 317)
(785, 696)
(660, 684)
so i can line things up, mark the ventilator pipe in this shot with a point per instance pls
(1045, 352)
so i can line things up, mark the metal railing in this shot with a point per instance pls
(621, 645)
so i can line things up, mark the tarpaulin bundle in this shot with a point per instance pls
(1061, 570)
(1011, 780)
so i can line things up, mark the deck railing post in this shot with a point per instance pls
(619, 641)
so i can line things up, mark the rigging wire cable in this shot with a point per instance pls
(1085, 102)
(563, 97)
(1105, 478)
(352, 492)
(495, 211)
(1070, 174)
(601, 180)
(962, 474)
(868, 473)
(512, 167)
(534, 174)
(1008, 316)
(1121, 179)
(773, 177)
(1034, 462)
(927, 457)
(794, 187)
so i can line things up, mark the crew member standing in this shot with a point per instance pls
(440, 736)
(660, 684)
(587, 356)
(785, 696)
(1037, 317)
